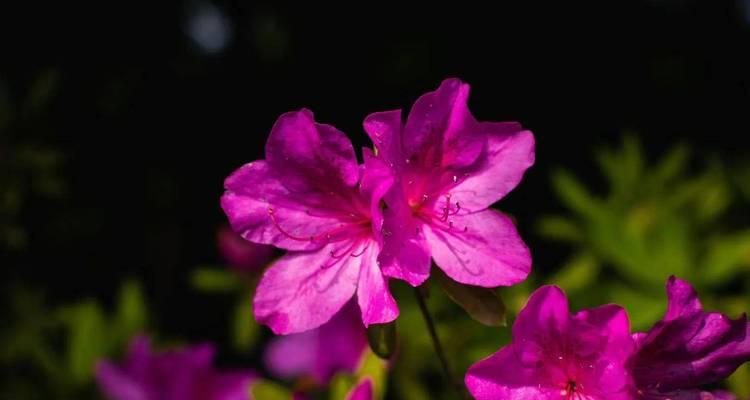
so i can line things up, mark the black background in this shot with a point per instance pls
(150, 124)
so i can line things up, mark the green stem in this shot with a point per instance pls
(436, 342)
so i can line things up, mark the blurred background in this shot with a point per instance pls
(119, 122)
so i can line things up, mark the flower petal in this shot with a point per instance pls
(310, 155)
(404, 254)
(341, 344)
(384, 129)
(502, 376)
(690, 347)
(363, 390)
(262, 210)
(510, 152)
(304, 290)
(116, 384)
(482, 249)
(292, 355)
(374, 297)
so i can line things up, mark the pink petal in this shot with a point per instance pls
(304, 290)
(404, 254)
(547, 310)
(375, 300)
(440, 128)
(384, 129)
(502, 376)
(263, 210)
(116, 384)
(377, 179)
(363, 391)
(482, 249)
(292, 355)
(308, 154)
(510, 152)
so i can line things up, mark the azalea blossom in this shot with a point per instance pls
(339, 345)
(688, 348)
(310, 196)
(448, 170)
(241, 255)
(186, 374)
(556, 355)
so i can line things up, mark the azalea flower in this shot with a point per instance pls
(688, 348)
(241, 255)
(555, 355)
(311, 197)
(449, 169)
(186, 374)
(337, 346)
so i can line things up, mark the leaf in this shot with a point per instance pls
(244, 328)
(578, 273)
(266, 390)
(130, 317)
(739, 381)
(86, 344)
(559, 228)
(727, 256)
(382, 339)
(375, 368)
(574, 194)
(482, 304)
(213, 279)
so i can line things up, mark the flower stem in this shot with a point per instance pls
(436, 342)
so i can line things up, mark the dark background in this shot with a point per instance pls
(150, 121)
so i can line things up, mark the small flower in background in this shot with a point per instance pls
(310, 196)
(337, 346)
(449, 168)
(186, 374)
(555, 355)
(688, 348)
(363, 391)
(241, 255)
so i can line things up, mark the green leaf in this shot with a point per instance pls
(578, 273)
(340, 386)
(130, 317)
(375, 368)
(560, 228)
(210, 279)
(739, 381)
(483, 304)
(727, 256)
(574, 195)
(86, 343)
(382, 339)
(245, 330)
(266, 390)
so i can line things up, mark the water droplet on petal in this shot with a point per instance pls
(455, 179)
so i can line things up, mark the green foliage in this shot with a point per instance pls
(89, 333)
(482, 304)
(267, 390)
(653, 221)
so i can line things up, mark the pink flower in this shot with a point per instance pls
(449, 169)
(309, 195)
(242, 255)
(336, 346)
(362, 391)
(186, 374)
(555, 355)
(688, 348)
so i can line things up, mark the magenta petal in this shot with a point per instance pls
(405, 254)
(510, 152)
(689, 347)
(116, 384)
(546, 310)
(502, 376)
(363, 391)
(308, 154)
(304, 290)
(384, 129)
(375, 300)
(240, 254)
(263, 210)
(292, 355)
(341, 344)
(482, 249)
(438, 129)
